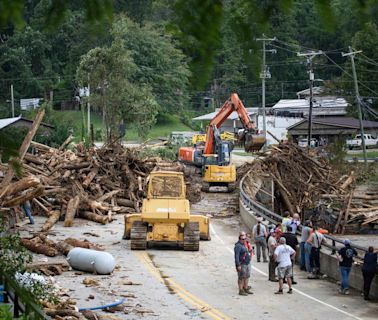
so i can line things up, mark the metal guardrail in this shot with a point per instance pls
(21, 300)
(274, 218)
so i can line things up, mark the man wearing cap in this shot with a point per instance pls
(259, 236)
(284, 254)
(345, 256)
(242, 251)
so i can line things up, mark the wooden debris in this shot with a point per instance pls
(52, 219)
(301, 179)
(39, 247)
(72, 206)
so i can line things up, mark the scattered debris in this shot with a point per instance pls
(306, 182)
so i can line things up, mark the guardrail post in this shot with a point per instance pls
(333, 246)
(16, 307)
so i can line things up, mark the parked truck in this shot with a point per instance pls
(370, 142)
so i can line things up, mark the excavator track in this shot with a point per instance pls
(138, 236)
(205, 187)
(231, 187)
(191, 236)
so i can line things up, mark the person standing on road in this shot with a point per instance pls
(272, 244)
(243, 251)
(259, 235)
(292, 241)
(316, 239)
(369, 269)
(306, 247)
(345, 256)
(284, 254)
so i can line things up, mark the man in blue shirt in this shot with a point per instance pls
(242, 251)
(345, 256)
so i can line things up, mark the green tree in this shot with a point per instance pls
(109, 71)
(159, 64)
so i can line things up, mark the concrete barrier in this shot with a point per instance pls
(328, 262)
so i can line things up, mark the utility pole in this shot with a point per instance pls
(12, 100)
(89, 110)
(351, 54)
(265, 74)
(310, 55)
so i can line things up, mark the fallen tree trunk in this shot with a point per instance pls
(23, 184)
(25, 145)
(89, 178)
(39, 248)
(29, 195)
(71, 211)
(63, 247)
(83, 244)
(52, 219)
(93, 217)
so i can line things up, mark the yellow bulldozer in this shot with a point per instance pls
(165, 216)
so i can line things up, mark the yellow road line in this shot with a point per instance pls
(180, 291)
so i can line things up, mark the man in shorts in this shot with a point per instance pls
(284, 255)
(243, 250)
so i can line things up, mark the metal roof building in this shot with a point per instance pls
(21, 122)
(322, 106)
(331, 127)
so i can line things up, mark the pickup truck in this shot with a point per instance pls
(370, 142)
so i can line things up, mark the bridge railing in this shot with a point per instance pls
(333, 243)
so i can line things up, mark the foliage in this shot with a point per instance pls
(13, 256)
(337, 151)
(40, 288)
(13, 11)
(5, 312)
(108, 70)
(158, 62)
(167, 153)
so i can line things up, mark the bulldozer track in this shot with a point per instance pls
(191, 236)
(138, 236)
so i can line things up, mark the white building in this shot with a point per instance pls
(31, 103)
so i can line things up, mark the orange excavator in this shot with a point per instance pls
(215, 158)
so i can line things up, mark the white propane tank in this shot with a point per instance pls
(91, 260)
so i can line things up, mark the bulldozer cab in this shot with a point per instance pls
(165, 184)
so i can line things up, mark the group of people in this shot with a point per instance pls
(281, 244)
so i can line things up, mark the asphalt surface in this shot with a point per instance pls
(173, 284)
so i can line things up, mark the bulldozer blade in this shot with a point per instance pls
(253, 142)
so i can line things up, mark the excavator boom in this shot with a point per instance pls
(252, 141)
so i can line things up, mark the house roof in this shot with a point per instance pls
(340, 122)
(233, 116)
(8, 121)
(315, 91)
(318, 102)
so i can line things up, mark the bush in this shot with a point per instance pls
(166, 153)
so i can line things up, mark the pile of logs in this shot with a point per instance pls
(302, 181)
(90, 183)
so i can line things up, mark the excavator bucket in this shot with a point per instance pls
(253, 142)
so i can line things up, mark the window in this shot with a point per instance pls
(166, 186)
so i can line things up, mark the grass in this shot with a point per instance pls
(370, 154)
(164, 126)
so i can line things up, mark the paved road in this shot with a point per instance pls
(209, 276)
(196, 285)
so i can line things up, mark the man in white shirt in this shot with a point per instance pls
(284, 254)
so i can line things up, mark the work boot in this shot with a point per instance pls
(248, 291)
(242, 293)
